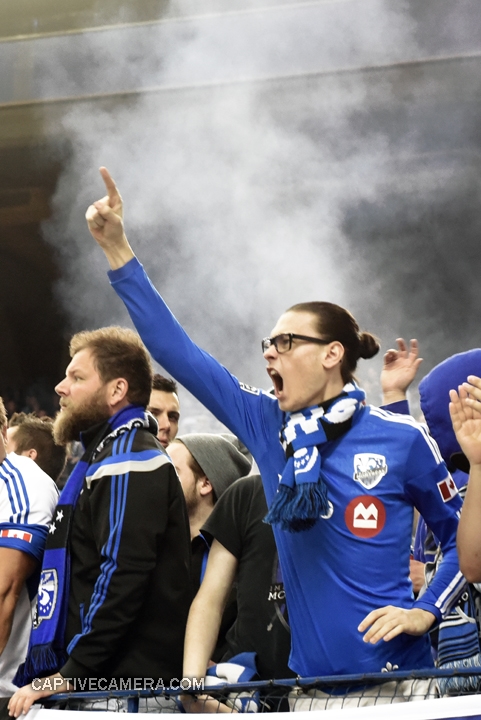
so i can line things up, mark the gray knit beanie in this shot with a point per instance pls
(221, 461)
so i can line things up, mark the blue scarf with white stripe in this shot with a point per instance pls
(301, 497)
(46, 652)
(238, 669)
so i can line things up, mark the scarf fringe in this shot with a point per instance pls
(462, 684)
(298, 509)
(42, 661)
(277, 510)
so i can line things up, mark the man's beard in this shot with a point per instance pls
(192, 502)
(71, 421)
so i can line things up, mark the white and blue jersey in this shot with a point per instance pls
(356, 559)
(28, 497)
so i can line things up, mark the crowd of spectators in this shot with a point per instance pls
(301, 563)
(37, 398)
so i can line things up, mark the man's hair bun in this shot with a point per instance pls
(369, 345)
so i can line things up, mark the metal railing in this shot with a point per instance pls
(276, 695)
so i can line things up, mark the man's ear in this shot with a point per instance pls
(117, 391)
(334, 353)
(32, 453)
(205, 486)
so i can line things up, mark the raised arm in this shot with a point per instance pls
(399, 370)
(105, 222)
(241, 408)
(465, 409)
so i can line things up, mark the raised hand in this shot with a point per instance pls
(105, 222)
(399, 370)
(465, 410)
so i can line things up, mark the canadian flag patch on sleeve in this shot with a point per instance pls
(447, 488)
(16, 535)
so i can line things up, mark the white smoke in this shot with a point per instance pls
(237, 194)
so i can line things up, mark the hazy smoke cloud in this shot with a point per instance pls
(244, 198)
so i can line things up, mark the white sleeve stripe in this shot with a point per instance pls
(431, 442)
(451, 593)
(16, 492)
(408, 420)
(21, 491)
(126, 466)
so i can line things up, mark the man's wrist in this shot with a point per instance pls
(474, 471)
(393, 396)
(118, 255)
(51, 685)
(427, 618)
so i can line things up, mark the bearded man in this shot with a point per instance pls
(114, 592)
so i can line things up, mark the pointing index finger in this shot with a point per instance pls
(112, 190)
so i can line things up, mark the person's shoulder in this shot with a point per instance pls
(28, 490)
(135, 442)
(238, 496)
(144, 454)
(395, 421)
(151, 453)
(411, 435)
(25, 470)
(144, 438)
(266, 397)
(243, 487)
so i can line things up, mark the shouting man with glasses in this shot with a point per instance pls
(299, 383)
(341, 478)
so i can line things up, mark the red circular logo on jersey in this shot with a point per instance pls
(365, 516)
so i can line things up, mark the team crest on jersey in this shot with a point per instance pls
(249, 389)
(365, 516)
(447, 488)
(369, 469)
(47, 596)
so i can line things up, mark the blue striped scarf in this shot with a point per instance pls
(301, 497)
(238, 669)
(46, 652)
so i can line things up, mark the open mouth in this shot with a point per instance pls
(277, 381)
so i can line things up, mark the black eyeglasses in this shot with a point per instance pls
(283, 342)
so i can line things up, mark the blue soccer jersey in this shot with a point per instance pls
(28, 497)
(356, 559)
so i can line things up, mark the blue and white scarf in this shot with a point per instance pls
(46, 651)
(301, 497)
(456, 641)
(459, 646)
(239, 669)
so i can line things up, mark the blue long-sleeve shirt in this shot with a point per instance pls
(357, 559)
